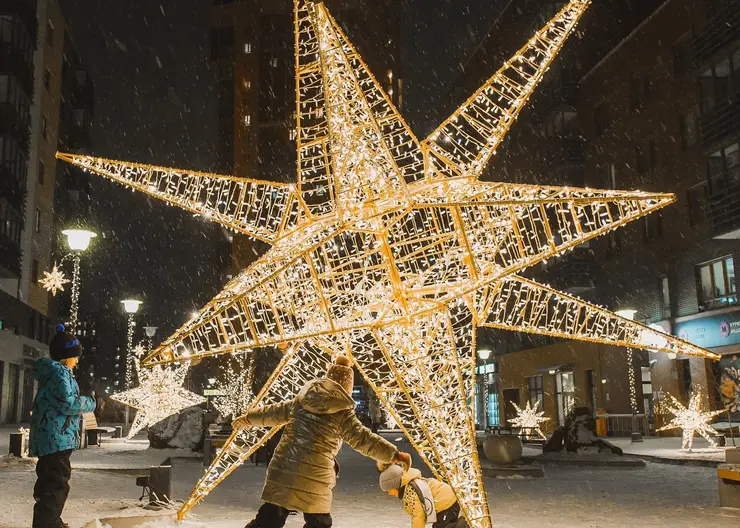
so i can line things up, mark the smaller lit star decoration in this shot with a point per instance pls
(692, 419)
(54, 281)
(236, 387)
(159, 395)
(529, 420)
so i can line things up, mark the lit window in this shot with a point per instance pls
(247, 120)
(37, 221)
(293, 134)
(273, 63)
(247, 47)
(247, 85)
(716, 283)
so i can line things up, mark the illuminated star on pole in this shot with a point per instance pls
(159, 395)
(692, 420)
(391, 250)
(54, 281)
(529, 420)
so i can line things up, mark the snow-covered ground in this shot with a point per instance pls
(658, 496)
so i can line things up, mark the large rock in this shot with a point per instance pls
(185, 430)
(502, 450)
(578, 434)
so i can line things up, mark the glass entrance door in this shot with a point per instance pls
(565, 388)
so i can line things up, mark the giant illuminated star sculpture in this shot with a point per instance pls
(159, 395)
(390, 249)
(691, 420)
(529, 419)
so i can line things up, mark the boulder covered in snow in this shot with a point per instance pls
(578, 434)
(185, 430)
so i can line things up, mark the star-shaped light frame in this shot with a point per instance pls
(158, 395)
(54, 280)
(529, 419)
(391, 250)
(691, 420)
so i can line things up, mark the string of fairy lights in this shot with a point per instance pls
(235, 382)
(391, 251)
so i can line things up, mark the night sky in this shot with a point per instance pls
(155, 102)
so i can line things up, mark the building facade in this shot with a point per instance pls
(649, 106)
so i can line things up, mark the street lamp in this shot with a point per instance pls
(636, 436)
(78, 241)
(130, 306)
(150, 331)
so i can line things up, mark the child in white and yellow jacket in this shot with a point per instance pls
(426, 500)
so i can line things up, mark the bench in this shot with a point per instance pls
(91, 431)
(728, 476)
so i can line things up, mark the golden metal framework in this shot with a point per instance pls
(392, 251)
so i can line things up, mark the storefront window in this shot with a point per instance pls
(536, 392)
(716, 284)
(565, 387)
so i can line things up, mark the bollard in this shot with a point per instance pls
(17, 444)
(160, 484)
(119, 432)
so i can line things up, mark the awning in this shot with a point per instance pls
(563, 367)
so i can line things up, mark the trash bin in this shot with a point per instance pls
(601, 429)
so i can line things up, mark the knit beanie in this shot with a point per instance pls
(390, 479)
(64, 345)
(341, 372)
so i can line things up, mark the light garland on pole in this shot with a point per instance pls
(390, 250)
(235, 386)
(691, 420)
(529, 420)
(131, 307)
(159, 394)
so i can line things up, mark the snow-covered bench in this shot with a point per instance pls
(91, 431)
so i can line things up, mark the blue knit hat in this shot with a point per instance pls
(64, 345)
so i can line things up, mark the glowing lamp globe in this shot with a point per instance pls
(78, 239)
(150, 331)
(627, 314)
(484, 354)
(131, 306)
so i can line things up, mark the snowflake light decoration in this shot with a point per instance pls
(159, 395)
(236, 387)
(54, 281)
(391, 250)
(529, 420)
(692, 420)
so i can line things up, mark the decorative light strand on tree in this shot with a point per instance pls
(390, 250)
(691, 420)
(235, 384)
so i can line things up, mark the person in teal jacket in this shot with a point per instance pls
(55, 427)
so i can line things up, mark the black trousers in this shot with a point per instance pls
(272, 516)
(450, 518)
(51, 490)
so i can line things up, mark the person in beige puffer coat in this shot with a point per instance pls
(301, 474)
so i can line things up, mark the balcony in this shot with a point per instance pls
(721, 121)
(13, 60)
(724, 209)
(13, 124)
(575, 273)
(721, 30)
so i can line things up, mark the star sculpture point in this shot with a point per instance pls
(54, 281)
(389, 249)
(691, 420)
(159, 395)
(530, 420)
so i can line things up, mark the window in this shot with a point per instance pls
(37, 221)
(653, 226)
(274, 63)
(665, 294)
(697, 198)
(293, 134)
(640, 91)
(536, 392)
(556, 124)
(35, 271)
(719, 81)
(41, 173)
(565, 387)
(247, 85)
(49, 33)
(716, 283)
(647, 389)
(602, 119)
(43, 126)
(689, 130)
(723, 167)
(247, 48)
(47, 78)
(645, 156)
(222, 42)
(247, 120)
(608, 176)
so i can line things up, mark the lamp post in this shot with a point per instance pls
(150, 331)
(78, 241)
(636, 435)
(130, 306)
(484, 354)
